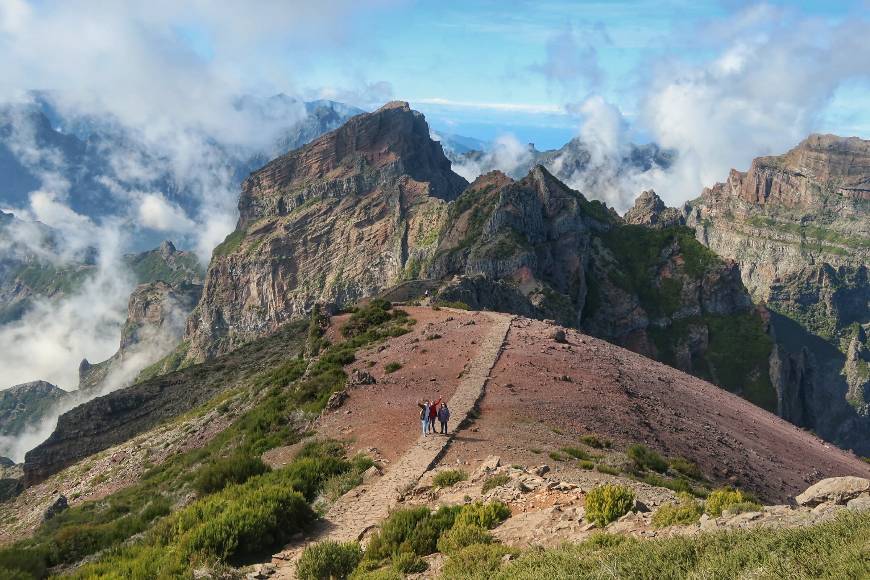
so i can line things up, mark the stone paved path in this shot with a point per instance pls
(367, 505)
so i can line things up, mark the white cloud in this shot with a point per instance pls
(157, 213)
(531, 108)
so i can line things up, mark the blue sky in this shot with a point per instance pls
(535, 58)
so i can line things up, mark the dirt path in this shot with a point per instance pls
(366, 506)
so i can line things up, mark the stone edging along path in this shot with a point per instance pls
(367, 505)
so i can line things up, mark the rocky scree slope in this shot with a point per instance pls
(798, 225)
(374, 203)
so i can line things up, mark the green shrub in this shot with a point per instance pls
(833, 549)
(375, 313)
(723, 499)
(452, 304)
(685, 511)
(326, 560)
(409, 563)
(410, 530)
(23, 563)
(392, 367)
(645, 458)
(494, 481)
(449, 477)
(556, 456)
(476, 561)
(678, 485)
(686, 467)
(460, 536)
(385, 573)
(608, 469)
(234, 469)
(587, 465)
(595, 442)
(484, 515)
(576, 453)
(607, 503)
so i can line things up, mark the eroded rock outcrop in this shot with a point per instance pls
(342, 218)
(650, 210)
(798, 225)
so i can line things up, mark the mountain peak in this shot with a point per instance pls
(650, 210)
(402, 105)
(393, 142)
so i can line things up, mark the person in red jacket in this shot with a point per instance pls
(433, 414)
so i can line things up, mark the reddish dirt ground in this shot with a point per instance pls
(530, 408)
(385, 415)
(628, 398)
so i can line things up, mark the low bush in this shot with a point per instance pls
(409, 563)
(328, 559)
(476, 561)
(384, 573)
(576, 453)
(608, 469)
(686, 467)
(237, 468)
(678, 485)
(607, 503)
(484, 515)
(413, 530)
(833, 549)
(685, 511)
(556, 456)
(392, 367)
(729, 499)
(452, 304)
(461, 536)
(449, 477)
(587, 465)
(494, 481)
(645, 458)
(595, 442)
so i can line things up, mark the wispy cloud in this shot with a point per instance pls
(530, 108)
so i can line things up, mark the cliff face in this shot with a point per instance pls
(798, 225)
(337, 220)
(24, 405)
(156, 314)
(374, 204)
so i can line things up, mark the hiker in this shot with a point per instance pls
(443, 415)
(433, 413)
(424, 415)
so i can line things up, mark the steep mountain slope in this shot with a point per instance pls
(799, 227)
(334, 221)
(374, 203)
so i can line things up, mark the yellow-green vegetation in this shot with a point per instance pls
(607, 503)
(328, 559)
(449, 477)
(338, 485)
(732, 500)
(461, 536)
(476, 561)
(242, 509)
(643, 457)
(411, 533)
(607, 469)
(392, 367)
(834, 549)
(494, 481)
(556, 456)
(230, 244)
(595, 442)
(687, 510)
(577, 453)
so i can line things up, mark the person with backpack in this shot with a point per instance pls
(424, 415)
(433, 414)
(443, 416)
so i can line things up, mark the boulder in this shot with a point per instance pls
(360, 377)
(59, 505)
(559, 336)
(859, 504)
(838, 490)
(336, 400)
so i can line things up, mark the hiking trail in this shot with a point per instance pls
(367, 505)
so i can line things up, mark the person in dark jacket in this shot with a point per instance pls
(443, 416)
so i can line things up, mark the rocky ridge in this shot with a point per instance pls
(798, 225)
